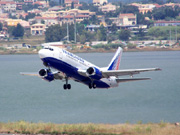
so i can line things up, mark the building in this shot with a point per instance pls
(108, 8)
(28, 2)
(19, 5)
(61, 2)
(68, 3)
(42, 3)
(12, 22)
(56, 8)
(80, 18)
(99, 2)
(66, 19)
(144, 8)
(48, 21)
(25, 24)
(35, 11)
(50, 14)
(167, 23)
(172, 4)
(128, 19)
(74, 14)
(8, 6)
(38, 29)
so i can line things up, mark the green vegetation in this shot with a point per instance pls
(31, 40)
(22, 127)
(108, 46)
(163, 33)
(18, 31)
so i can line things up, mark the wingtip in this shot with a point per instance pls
(158, 69)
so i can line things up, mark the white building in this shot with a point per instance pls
(100, 2)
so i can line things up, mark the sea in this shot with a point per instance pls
(31, 99)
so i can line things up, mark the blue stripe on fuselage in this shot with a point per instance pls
(71, 71)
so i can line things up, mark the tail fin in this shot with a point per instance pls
(115, 62)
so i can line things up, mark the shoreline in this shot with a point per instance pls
(99, 50)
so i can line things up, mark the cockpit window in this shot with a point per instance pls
(51, 49)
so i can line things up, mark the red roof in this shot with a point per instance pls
(38, 3)
(128, 14)
(82, 16)
(67, 16)
(157, 5)
(45, 18)
(6, 2)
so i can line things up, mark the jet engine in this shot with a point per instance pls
(46, 74)
(94, 73)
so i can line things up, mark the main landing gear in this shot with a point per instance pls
(67, 86)
(92, 85)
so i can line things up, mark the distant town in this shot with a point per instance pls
(28, 25)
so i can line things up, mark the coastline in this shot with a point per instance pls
(99, 50)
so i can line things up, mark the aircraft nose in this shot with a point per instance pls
(42, 53)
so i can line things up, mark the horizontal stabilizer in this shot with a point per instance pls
(130, 72)
(30, 74)
(131, 79)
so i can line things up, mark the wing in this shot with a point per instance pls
(130, 72)
(57, 75)
(119, 80)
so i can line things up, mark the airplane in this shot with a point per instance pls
(70, 66)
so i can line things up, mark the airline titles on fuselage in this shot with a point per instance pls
(75, 58)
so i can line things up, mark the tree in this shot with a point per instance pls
(108, 21)
(72, 5)
(130, 9)
(18, 31)
(164, 12)
(124, 35)
(27, 7)
(30, 16)
(113, 28)
(140, 18)
(10, 30)
(141, 34)
(101, 33)
(94, 20)
(1, 26)
(84, 6)
(42, 21)
(82, 39)
(53, 3)
(54, 33)
(58, 33)
(80, 28)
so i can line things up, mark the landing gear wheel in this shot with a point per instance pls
(94, 85)
(69, 86)
(65, 86)
(90, 86)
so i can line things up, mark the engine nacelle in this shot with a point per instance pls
(94, 73)
(46, 74)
